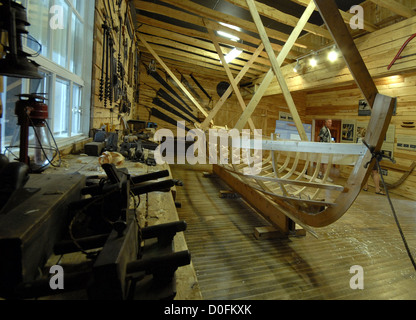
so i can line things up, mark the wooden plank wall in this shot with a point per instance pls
(100, 114)
(342, 104)
(264, 117)
(377, 50)
(149, 86)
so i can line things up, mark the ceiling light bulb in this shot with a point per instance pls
(313, 62)
(332, 55)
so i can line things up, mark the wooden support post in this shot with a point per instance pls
(225, 96)
(269, 76)
(265, 206)
(261, 233)
(276, 69)
(339, 30)
(230, 75)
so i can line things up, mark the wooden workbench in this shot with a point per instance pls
(155, 208)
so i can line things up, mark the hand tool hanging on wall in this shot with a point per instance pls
(164, 106)
(107, 59)
(169, 78)
(162, 93)
(190, 87)
(201, 87)
(113, 75)
(160, 115)
(120, 69)
(397, 57)
(102, 84)
(137, 76)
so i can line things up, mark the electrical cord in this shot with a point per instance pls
(378, 156)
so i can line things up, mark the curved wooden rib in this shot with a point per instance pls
(402, 178)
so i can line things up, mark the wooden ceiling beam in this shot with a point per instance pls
(188, 66)
(346, 16)
(208, 13)
(172, 75)
(284, 18)
(276, 69)
(230, 76)
(198, 21)
(202, 35)
(203, 55)
(165, 53)
(396, 7)
(258, 95)
(199, 43)
(350, 52)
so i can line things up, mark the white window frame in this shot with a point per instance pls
(56, 71)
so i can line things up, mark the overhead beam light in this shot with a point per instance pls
(332, 56)
(228, 35)
(230, 26)
(232, 55)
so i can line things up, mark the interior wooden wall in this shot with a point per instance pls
(149, 87)
(316, 96)
(101, 115)
(377, 50)
(341, 103)
(264, 117)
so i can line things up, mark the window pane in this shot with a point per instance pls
(40, 86)
(76, 109)
(60, 36)
(79, 6)
(38, 16)
(14, 88)
(77, 36)
(61, 109)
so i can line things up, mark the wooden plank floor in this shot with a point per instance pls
(231, 264)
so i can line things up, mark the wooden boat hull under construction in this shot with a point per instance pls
(295, 195)
(305, 198)
(298, 195)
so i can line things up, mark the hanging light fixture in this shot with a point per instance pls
(297, 66)
(232, 55)
(13, 20)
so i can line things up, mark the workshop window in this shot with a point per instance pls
(60, 37)
(61, 111)
(76, 109)
(60, 40)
